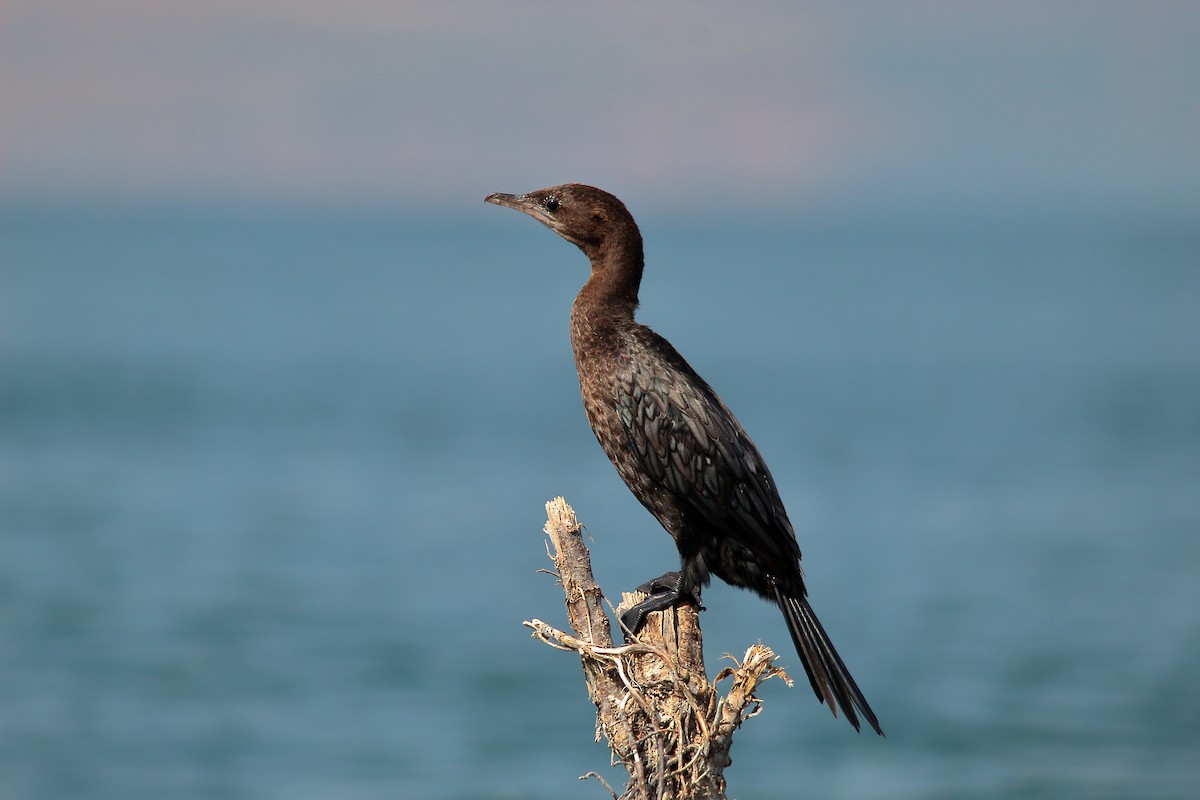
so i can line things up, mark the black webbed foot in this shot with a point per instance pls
(665, 591)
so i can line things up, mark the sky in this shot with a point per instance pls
(1035, 105)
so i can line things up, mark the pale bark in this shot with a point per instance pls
(663, 720)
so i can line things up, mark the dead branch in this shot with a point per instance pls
(663, 720)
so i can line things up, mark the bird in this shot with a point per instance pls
(677, 446)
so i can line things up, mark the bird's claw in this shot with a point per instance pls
(665, 591)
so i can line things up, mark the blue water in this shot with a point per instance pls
(273, 486)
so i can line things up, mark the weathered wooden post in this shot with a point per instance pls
(663, 719)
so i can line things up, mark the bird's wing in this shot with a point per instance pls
(687, 441)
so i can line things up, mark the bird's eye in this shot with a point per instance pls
(551, 203)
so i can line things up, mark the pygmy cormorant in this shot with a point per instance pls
(676, 445)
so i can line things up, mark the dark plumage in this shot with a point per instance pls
(676, 445)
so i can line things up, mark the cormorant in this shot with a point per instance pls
(676, 445)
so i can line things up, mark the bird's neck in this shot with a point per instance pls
(606, 304)
(612, 288)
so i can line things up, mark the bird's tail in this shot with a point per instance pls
(830, 679)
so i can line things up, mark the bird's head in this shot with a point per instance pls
(585, 216)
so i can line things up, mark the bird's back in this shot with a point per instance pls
(687, 459)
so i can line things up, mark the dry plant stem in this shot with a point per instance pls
(664, 721)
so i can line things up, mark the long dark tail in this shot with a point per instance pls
(830, 679)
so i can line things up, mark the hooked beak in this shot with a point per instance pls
(521, 202)
(501, 199)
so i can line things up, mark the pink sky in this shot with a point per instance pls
(427, 103)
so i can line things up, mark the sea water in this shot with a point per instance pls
(273, 487)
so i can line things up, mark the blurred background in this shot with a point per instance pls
(281, 399)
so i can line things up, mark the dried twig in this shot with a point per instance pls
(664, 721)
